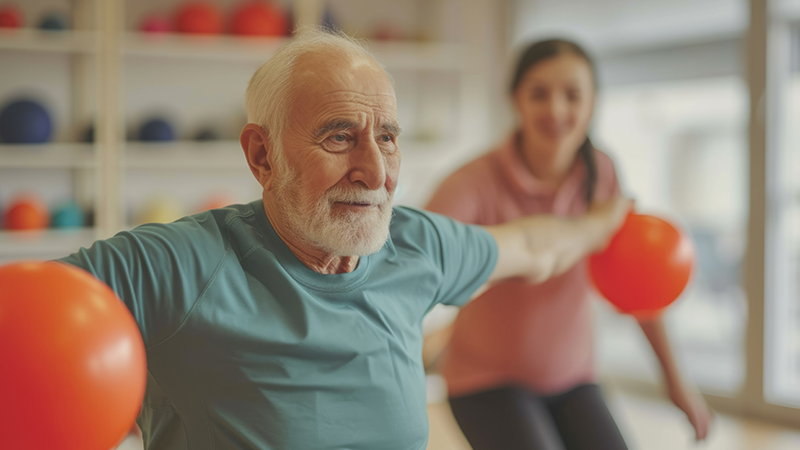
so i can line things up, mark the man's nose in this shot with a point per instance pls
(368, 165)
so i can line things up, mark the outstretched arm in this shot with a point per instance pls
(680, 392)
(542, 246)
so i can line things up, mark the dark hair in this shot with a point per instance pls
(544, 50)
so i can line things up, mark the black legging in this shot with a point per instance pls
(514, 418)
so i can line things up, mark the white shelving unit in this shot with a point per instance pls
(221, 48)
(80, 45)
(47, 156)
(45, 244)
(212, 155)
(102, 52)
(218, 48)
(34, 40)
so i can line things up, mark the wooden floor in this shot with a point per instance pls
(647, 424)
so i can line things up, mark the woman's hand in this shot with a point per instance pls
(695, 407)
(681, 393)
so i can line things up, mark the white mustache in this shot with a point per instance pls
(362, 196)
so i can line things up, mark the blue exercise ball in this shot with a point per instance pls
(68, 215)
(54, 21)
(25, 122)
(156, 130)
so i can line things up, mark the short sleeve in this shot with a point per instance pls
(468, 256)
(158, 270)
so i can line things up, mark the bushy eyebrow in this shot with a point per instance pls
(335, 125)
(344, 124)
(393, 128)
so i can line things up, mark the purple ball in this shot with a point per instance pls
(156, 130)
(25, 122)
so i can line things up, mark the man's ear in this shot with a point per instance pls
(257, 145)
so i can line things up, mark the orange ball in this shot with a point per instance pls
(74, 368)
(199, 18)
(215, 202)
(645, 267)
(259, 18)
(26, 213)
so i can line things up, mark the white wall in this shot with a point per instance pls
(614, 24)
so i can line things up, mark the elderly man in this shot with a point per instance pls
(294, 321)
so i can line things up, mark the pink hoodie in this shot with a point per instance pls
(538, 336)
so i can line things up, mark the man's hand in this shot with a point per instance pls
(542, 246)
(610, 215)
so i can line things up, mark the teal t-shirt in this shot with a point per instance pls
(247, 348)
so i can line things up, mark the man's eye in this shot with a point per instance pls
(386, 138)
(339, 137)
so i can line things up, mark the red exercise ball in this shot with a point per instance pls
(74, 369)
(27, 213)
(199, 18)
(10, 16)
(259, 18)
(645, 267)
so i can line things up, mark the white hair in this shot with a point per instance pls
(267, 98)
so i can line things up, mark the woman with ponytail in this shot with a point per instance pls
(519, 364)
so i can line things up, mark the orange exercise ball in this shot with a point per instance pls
(215, 202)
(74, 369)
(26, 213)
(259, 18)
(645, 267)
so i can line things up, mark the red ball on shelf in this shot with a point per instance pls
(10, 16)
(389, 31)
(199, 18)
(155, 23)
(27, 213)
(259, 18)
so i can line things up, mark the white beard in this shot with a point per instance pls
(340, 233)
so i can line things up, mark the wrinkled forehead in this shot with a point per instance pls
(320, 74)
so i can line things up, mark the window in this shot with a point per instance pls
(680, 149)
(782, 271)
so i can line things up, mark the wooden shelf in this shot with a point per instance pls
(212, 155)
(47, 156)
(215, 47)
(224, 154)
(407, 55)
(43, 244)
(32, 39)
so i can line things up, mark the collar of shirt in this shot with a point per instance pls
(525, 183)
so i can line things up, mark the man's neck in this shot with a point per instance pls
(315, 259)
(319, 261)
